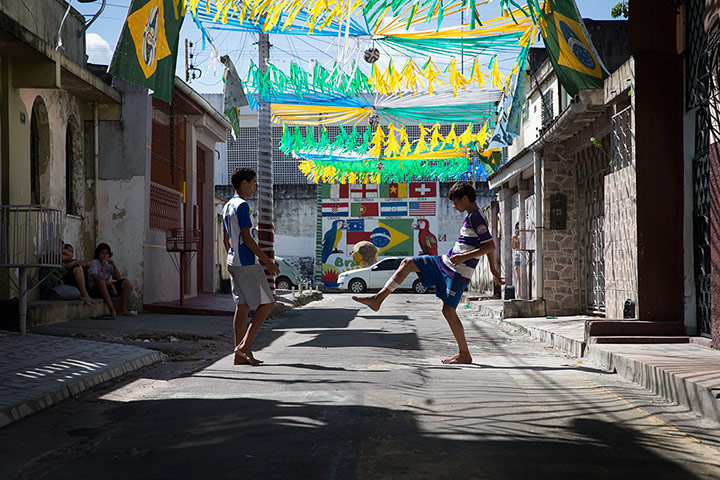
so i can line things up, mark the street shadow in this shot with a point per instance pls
(317, 318)
(360, 338)
(270, 439)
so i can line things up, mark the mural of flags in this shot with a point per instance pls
(393, 209)
(423, 189)
(422, 209)
(356, 232)
(393, 190)
(364, 191)
(333, 209)
(147, 49)
(364, 209)
(336, 190)
(569, 47)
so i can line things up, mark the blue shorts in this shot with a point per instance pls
(446, 289)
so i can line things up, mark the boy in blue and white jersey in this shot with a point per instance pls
(250, 288)
(449, 274)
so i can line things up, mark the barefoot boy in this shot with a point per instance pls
(250, 288)
(450, 273)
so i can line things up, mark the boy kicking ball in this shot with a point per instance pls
(451, 273)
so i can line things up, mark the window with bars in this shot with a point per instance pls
(547, 108)
(164, 207)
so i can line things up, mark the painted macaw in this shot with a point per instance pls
(331, 239)
(427, 241)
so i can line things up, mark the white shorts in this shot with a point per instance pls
(249, 286)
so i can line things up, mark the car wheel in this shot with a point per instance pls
(283, 283)
(418, 287)
(357, 286)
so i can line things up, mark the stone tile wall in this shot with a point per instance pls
(621, 279)
(560, 270)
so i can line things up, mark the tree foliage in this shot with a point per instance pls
(622, 9)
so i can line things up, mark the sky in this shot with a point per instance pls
(103, 34)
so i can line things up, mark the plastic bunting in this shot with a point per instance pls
(391, 145)
(378, 156)
(324, 83)
(283, 15)
(298, 27)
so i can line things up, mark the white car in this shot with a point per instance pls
(376, 276)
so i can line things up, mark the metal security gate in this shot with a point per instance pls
(701, 67)
(592, 166)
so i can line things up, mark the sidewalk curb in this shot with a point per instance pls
(685, 374)
(673, 386)
(21, 410)
(565, 344)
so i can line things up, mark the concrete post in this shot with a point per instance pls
(523, 190)
(539, 222)
(506, 210)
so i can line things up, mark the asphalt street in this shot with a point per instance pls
(347, 393)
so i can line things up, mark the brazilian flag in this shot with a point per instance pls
(147, 50)
(577, 64)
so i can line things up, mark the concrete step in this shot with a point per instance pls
(43, 312)
(639, 339)
(623, 328)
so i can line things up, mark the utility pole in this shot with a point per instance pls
(265, 228)
(187, 68)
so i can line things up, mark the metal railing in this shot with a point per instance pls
(30, 236)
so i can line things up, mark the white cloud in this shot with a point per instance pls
(98, 50)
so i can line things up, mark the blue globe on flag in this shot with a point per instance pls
(380, 237)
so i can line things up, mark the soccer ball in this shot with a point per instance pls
(371, 55)
(364, 253)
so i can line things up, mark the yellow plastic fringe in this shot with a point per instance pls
(271, 11)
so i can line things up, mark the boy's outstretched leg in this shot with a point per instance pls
(406, 268)
(244, 346)
(463, 356)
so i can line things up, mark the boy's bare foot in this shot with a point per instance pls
(88, 301)
(371, 302)
(240, 360)
(458, 359)
(128, 313)
(244, 357)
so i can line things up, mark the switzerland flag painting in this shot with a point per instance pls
(423, 189)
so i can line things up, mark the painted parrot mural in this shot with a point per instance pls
(331, 239)
(428, 241)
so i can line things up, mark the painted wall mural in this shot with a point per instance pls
(400, 219)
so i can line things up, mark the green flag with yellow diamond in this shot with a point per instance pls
(571, 51)
(147, 50)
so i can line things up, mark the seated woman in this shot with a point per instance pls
(75, 275)
(105, 280)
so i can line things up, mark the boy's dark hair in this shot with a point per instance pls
(67, 245)
(462, 189)
(100, 248)
(240, 174)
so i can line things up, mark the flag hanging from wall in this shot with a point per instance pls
(234, 95)
(571, 51)
(147, 49)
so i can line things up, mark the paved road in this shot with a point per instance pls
(349, 393)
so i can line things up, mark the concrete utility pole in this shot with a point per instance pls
(265, 228)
